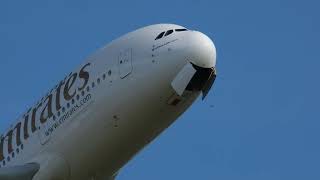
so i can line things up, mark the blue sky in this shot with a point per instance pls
(260, 121)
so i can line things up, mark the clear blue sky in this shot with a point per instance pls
(262, 119)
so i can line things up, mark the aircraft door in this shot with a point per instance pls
(125, 63)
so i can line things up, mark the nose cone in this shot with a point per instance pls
(201, 50)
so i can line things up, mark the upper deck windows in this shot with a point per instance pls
(167, 33)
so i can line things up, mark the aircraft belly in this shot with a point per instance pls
(128, 125)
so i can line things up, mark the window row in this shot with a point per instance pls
(59, 113)
(13, 154)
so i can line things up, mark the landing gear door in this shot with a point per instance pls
(125, 63)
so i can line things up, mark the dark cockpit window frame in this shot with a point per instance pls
(169, 32)
(180, 30)
(160, 35)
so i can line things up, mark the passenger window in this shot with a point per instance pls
(168, 32)
(160, 35)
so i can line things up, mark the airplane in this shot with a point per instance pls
(108, 109)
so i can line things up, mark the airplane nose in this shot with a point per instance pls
(199, 73)
(201, 50)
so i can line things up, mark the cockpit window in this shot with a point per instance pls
(166, 33)
(169, 32)
(179, 30)
(160, 35)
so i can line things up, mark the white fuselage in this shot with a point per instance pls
(104, 112)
